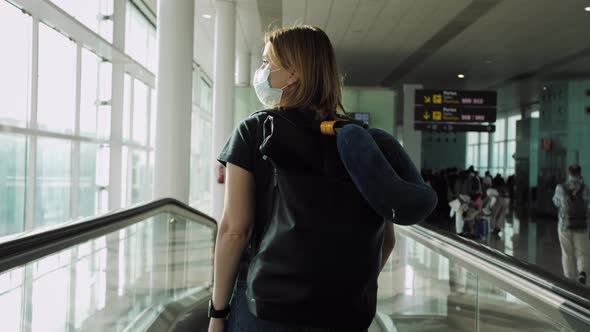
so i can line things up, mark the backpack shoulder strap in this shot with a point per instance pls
(275, 112)
(314, 125)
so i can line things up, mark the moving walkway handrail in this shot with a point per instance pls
(575, 294)
(23, 249)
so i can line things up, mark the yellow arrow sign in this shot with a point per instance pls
(426, 116)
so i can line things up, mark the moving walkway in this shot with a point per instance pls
(149, 268)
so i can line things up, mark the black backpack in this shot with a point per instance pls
(317, 262)
(575, 208)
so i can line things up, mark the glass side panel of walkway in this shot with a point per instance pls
(431, 285)
(151, 271)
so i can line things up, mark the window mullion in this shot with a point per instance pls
(131, 105)
(75, 159)
(30, 178)
(148, 179)
(32, 140)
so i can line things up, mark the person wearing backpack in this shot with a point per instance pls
(304, 233)
(572, 198)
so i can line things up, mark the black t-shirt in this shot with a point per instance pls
(242, 150)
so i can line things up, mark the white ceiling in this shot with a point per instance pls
(375, 39)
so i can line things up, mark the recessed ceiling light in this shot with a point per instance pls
(544, 88)
(207, 16)
(587, 9)
(461, 76)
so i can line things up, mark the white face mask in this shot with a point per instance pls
(268, 96)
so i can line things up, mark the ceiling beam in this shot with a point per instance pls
(546, 68)
(462, 21)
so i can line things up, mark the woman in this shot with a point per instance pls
(298, 74)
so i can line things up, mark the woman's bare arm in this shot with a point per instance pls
(234, 232)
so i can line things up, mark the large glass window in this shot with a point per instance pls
(139, 176)
(15, 65)
(127, 106)
(484, 139)
(140, 112)
(96, 14)
(499, 148)
(477, 151)
(52, 198)
(94, 174)
(200, 187)
(103, 118)
(89, 99)
(57, 81)
(504, 145)
(69, 140)
(136, 126)
(95, 108)
(511, 143)
(12, 183)
(140, 38)
(472, 150)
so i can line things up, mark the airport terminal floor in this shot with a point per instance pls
(148, 268)
(113, 114)
(530, 239)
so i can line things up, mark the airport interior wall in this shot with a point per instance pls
(379, 103)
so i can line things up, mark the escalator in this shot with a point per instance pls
(148, 268)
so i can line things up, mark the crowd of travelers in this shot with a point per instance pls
(478, 205)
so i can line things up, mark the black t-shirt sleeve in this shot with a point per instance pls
(241, 148)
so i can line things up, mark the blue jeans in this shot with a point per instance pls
(241, 319)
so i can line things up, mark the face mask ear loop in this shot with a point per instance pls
(287, 84)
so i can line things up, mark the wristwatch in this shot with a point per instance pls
(214, 313)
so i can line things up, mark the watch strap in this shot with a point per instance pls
(214, 313)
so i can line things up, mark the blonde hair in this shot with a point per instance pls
(307, 51)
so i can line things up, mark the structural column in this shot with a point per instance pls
(115, 160)
(243, 70)
(223, 93)
(174, 104)
(412, 138)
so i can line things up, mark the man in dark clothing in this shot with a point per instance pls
(498, 181)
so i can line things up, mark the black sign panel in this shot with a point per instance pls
(454, 114)
(454, 111)
(454, 128)
(456, 98)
